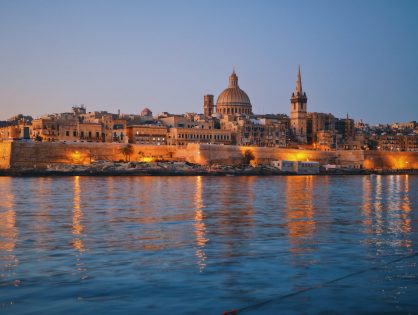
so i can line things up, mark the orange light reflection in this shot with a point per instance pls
(300, 211)
(77, 227)
(199, 225)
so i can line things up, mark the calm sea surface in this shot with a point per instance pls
(205, 245)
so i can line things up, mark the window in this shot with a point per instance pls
(67, 133)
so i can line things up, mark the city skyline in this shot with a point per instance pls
(138, 55)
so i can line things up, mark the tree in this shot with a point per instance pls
(127, 151)
(248, 156)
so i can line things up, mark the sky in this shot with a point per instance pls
(356, 57)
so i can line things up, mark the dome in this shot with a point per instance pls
(146, 112)
(233, 100)
(233, 96)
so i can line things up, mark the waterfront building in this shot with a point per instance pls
(325, 140)
(306, 168)
(90, 131)
(398, 142)
(317, 122)
(68, 130)
(147, 134)
(345, 128)
(15, 131)
(389, 143)
(183, 136)
(298, 111)
(410, 142)
(298, 167)
(16, 127)
(283, 165)
(255, 132)
(46, 128)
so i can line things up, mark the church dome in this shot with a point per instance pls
(233, 100)
(146, 112)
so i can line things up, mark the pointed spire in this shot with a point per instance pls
(299, 82)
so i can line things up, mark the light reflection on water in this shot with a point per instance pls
(183, 245)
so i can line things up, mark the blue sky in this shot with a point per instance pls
(357, 57)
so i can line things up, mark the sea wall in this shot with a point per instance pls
(390, 160)
(39, 155)
(5, 154)
(209, 154)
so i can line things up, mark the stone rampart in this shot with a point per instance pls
(5, 154)
(42, 154)
(19, 154)
(390, 160)
(210, 154)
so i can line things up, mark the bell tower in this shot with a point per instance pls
(208, 105)
(298, 112)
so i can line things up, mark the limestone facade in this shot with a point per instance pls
(184, 136)
(147, 135)
(208, 105)
(298, 110)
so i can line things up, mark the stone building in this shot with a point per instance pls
(298, 111)
(317, 122)
(89, 131)
(80, 126)
(233, 100)
(183, 136)
(113, 126)
(208, 105)
(147, 134)
(397, 142)
(345, 128)
(255, 132)
(410, 143)
(325, 140)
(46, 128)
(15, 131)
(68, 130)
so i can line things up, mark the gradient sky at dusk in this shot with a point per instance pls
(359, 57)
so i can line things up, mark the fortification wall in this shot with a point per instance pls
(390, 160)
(41, 154)
(5, 154)
(210, 154)
(233, 155)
